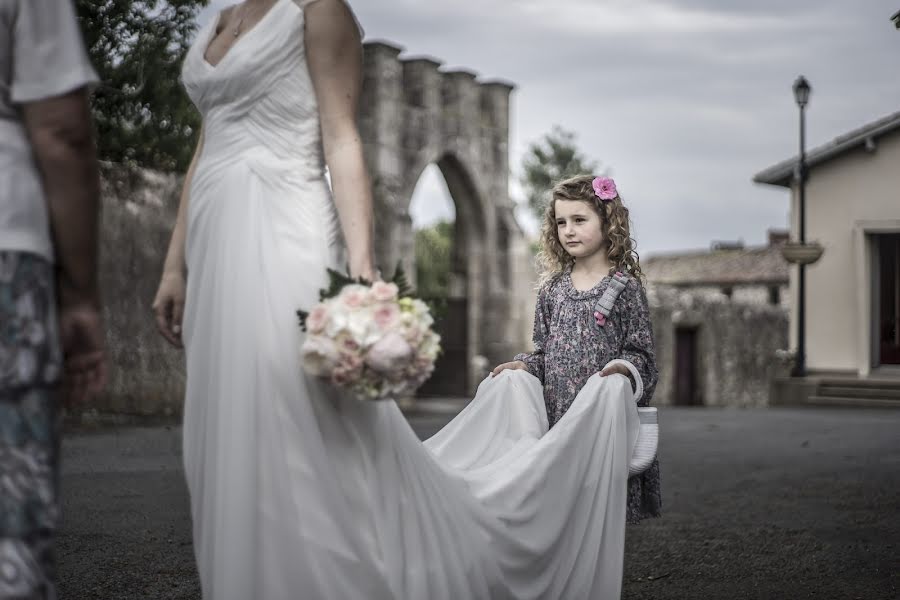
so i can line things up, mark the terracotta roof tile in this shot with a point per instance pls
(754, 265)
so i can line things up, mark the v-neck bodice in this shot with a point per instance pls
(259, 96)
(212, 35)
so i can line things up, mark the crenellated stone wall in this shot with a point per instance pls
(413, 113)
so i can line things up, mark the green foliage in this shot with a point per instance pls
(434, 248)
(553, 158)
(142, 114)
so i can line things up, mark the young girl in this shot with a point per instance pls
(586, 248)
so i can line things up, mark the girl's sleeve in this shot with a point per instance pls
(534, 361)
(638, 353)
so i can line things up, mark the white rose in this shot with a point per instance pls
(320, 355)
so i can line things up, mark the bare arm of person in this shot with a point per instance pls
(168, 305)
(334, 56)
(60, 132)
(61, 138)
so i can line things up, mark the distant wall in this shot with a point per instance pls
(743, 293)
(736, 345)
(139, 210)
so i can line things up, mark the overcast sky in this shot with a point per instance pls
(682, 100)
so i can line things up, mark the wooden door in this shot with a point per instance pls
(887, 316)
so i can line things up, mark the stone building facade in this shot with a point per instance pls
(753, 274)
(414, 114)
(719, 318)
(712, 351)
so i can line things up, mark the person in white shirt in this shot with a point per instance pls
(51, 336)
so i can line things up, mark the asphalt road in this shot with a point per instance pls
(762, 504)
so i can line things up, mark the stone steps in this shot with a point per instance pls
(860, 392)
(873, 392)
(853, 401)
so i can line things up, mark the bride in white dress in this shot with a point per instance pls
(297, 491)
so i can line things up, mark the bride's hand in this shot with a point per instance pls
(169, 307)
(367, 272)
(514, 365)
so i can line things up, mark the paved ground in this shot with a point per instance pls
(762, 504)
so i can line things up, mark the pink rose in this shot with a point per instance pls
(353, 297)
(387, 316)
(349, 345)
(388, 352)
(348, 370)
(384, 292)
(315, 322)
(349, 362)
(605, 188)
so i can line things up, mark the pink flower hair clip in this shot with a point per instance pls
(605, 188)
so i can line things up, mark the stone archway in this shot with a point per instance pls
(414, 114)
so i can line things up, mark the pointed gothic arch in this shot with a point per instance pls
(414, 114)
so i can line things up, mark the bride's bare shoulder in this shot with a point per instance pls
(330, 19)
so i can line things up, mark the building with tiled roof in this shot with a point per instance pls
(729, 271)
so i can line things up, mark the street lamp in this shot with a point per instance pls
(801, 253)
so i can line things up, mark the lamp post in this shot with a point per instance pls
(801, 96)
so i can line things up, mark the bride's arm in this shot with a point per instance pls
(175, 255)
(169, 301)
(334, 56)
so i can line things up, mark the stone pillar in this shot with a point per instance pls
(380, 126)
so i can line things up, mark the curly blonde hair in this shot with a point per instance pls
(614, 223)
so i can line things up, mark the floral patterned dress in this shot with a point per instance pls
(570, 347)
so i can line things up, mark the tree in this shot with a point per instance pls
(142, 114)
(434, 248)
(551, 159)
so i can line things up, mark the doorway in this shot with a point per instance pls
(686, 383)
(449, 377)
(886, 294)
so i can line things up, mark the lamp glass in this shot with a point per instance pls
(801, 91)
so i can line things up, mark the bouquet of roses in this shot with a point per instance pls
(373, 339)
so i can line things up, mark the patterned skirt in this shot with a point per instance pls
(644, 498)
(30, 368)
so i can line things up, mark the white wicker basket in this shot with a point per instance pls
(647, 443)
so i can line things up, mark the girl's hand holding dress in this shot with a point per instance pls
(514, 365)
(616, 368)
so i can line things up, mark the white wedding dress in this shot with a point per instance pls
(300, 493)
